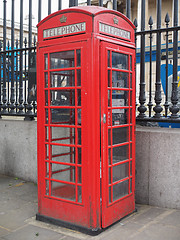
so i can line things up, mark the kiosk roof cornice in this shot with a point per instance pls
(88, 10)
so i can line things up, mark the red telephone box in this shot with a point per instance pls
(86, 117)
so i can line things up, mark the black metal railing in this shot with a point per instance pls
(157, 93)
(156, 101)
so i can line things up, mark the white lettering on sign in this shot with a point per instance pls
(69, 29)
(104, 28)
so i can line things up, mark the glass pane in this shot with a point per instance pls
(79, 97)
(120, 190)
(62, 190)
(119, 60)
(62, 59)
(109, 78)
(78, 77)
(79, 116)
(130, 185)
(62, 79)
(130, 80)
(46, 98)
(109, 59)
(47, 169)
(79, 136)
(63, 135)
(120, 153)
(130, 62)
(130, 133)
(120, 79)
(62, 97)
(131, 150)
(110, 175)
(109, 137)
(45, 61)
(120, 171)
(63, 154)
(120, 135)
(62, 116)
(46, 79)
(120, 98)
(119, 116)
(79, 175)
(47, 151)
(79, 156)
(78, 52)
(63, 172)
(130, 168)
(79, 194)
(46, 116)
(109, 98)
(46, 134)
(109, 156)
(47, 187)
(110, 189)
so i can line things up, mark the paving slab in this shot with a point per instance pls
(18, 207)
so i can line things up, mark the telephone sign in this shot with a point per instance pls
(86, 117)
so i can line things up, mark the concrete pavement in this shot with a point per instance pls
(18, 207)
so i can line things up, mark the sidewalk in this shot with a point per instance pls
(18, 207)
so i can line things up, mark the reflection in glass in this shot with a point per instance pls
(46, 116)
(79, 97)
(62, 190)
(62, 97)
(131, 62)
(63, 154)
(120, 98)
(47, 187)
(80, 194)
(45, 61)
(120, 153)
(47, 151)
(62, 59)
(62, 79)
(62, 116)
(109, 78)
(119, 116)
(63, 172)
(63, 135)
(46, 98)
(120, 190)
(120, 171)
(79, 136)
(120, 79)
(109, 59)
(79, 175)
(110, 175)
(79, 116)
(78, 77)
(130, 80)
(109, 156)
(46, 79)
(120, 135)
(110, 189)
(109, 137)
(119, 60)
(78, 55)
(79, 156)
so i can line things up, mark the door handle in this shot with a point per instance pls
(104, 118)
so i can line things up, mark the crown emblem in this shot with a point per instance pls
(116, 21)
(63, 19)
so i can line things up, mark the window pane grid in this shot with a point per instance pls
(67, 70)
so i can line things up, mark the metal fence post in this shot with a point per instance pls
(158, 109)
(142, 98)
(174, 97)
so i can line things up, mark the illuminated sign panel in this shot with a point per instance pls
(69, 29)
(104, 28)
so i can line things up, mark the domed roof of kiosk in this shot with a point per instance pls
(90, 10)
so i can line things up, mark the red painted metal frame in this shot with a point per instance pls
(90, 213)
